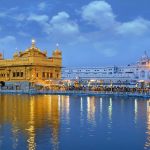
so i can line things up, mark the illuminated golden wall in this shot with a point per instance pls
(31, 65)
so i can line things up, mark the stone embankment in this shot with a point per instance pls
(78, 93)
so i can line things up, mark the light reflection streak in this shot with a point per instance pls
(81, 104)
(147, 143)
(59, 99)
(91, 109)
(1, 138)
(110, 109)
(81, 111)
(54, 120)
(31, 130)
(135, 110)
(68, 109)
(28, 114)
(109, 125)
(14, 128)
(101, 105)
(65, 108)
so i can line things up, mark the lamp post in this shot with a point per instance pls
(111, 85)
(136, 86)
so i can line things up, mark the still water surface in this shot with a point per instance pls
(73, 123)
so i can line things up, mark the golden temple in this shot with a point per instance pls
(31, 65)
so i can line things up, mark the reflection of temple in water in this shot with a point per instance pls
(26, 114)
(91, 108)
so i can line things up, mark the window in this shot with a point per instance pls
(21, 74)
(143, 74)
(14, 74)
(47, 74)
(57, 75)
(17, 74)
(43, 75)
(51, 75)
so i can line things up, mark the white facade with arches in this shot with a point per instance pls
(138, 72)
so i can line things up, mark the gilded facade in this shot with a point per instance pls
(31, 65)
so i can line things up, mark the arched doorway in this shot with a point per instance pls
(2, 83)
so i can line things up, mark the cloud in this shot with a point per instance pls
(95, 31)
(61, 23)
(61, 28)
(7, 45)
(136, 27)
(20, 17)
(38, 18)
(42, 6)
(24, 34)
(3, 14)
(99, 13)
(7, 40)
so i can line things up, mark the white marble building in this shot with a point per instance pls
(138, 72)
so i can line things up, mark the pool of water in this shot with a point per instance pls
(46, 122)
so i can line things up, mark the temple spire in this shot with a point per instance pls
(57, 46)
(33, 42)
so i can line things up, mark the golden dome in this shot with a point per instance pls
(57, 51)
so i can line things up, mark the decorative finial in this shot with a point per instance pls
(57, 46)
(33, 42)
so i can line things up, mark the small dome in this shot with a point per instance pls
(1, 56)
(16, 54)
(57, 51)
(145, 56)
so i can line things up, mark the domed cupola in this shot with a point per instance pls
(33, 46)
(145, 56)
(144, 60)
(1, 56)
(57, 52)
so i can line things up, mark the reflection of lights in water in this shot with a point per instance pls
(81, 111)
(101, 108)
(14, 128)
(54, 120)
(147, 143)
(27, 115)
(110, 109)
(31, 130)
(101, 105)
(15, 135)
(109, 125)
(65, 107)
(91, 109)
(135, 110)
(81, 104)
(1, 138)
(59, 99)
(49, 105)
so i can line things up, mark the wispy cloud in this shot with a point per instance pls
(42, 6)
(96, 29)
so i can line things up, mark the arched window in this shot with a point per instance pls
(148, 75)
(143, 74)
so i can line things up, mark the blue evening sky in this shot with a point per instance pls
(90, 33)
